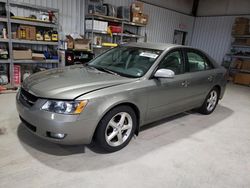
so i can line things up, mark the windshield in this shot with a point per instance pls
(126, 61)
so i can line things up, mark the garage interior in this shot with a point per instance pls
(186, 150)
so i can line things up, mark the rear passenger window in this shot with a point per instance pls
(197, 62)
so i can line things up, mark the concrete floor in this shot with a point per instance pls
(188, 150)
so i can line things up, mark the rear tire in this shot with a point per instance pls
(116, 129)
(210, 102)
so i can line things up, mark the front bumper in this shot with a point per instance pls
(77, 128)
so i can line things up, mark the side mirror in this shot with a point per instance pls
(164, 73)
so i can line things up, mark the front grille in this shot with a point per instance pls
(27, 98)
(28, 125)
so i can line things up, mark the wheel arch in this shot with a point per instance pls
(219, 89)
(125, 103)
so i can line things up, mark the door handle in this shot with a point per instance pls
(210, 78)
(185, 83)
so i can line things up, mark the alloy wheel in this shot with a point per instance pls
(212, 100)
(118, 129)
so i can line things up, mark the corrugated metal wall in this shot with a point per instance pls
(213, 35)
(119, 2)
(69, 12)
(163, 22)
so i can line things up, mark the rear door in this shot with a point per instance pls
(200, 75)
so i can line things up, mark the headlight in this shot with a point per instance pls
(65, 107)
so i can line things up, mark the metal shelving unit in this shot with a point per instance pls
(5, 61)
(17, 20)
(18, 41)
(115, 34)
(91, 32)
(4, 40)
(26, 5)
(241, 36)
(234, 55)
(240, 46)
(36, 61)
(3, 19)
(32, 23)
(239, 56)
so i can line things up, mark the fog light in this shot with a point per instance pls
(56, 135)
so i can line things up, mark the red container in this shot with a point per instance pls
(17, 75)
(115, 29)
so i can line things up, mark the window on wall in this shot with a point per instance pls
(197, 62)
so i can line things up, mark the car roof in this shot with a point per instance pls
(156, 46)
(165, 46)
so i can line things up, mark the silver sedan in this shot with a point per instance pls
(110, 98)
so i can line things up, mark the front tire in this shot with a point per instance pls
(210, 102)
(116, 129)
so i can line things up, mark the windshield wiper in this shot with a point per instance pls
(105, 70)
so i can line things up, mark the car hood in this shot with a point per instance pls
(70, 82)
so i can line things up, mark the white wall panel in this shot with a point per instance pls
(163, 22)
(213, 35)
(119, 2)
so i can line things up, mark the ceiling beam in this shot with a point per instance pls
(195, 7)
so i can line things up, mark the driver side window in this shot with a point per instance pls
(172, 61)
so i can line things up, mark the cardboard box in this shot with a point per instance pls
(248, 41)
(240, 29)
(32, 33)
(102, 26)
(88, 24)
(37, 56)
(22, 54)
(241, 20)
(81, 44)
(144, 19)
(77, 44)
(237, 64)
(245, 65)
(137, 7)
(70, 42)
(26, 32)
(242, 78)
(21, 32)
(97, 25)
(240, 41)
(136, 18)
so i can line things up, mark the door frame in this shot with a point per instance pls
(165, 55)
(184, 37)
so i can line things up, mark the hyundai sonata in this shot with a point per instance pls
(110, 98)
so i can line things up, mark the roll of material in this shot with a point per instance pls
(4, 79)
